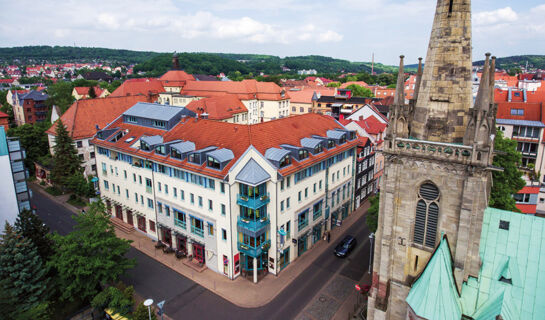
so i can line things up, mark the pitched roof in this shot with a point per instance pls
(359, 83)
(176, 78)
(512, 246)
(532, 111)
(235, 137)
(83, 116)
(371, 125)
(84, 91)
(143, 86)
(252, 174)
(218, 108)
(434, 295)
(305, 94)
(245, 89)
(3, 115)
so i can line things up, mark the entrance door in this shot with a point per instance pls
(129, 218)
(302, 245)
(334, 216)
(119, 212)
(142, 223)
(316, 233)
(198, 252)
(284, 258)
(167, 237)
(182, 244)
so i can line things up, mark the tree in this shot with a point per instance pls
(30, 226)
(90, 256)
(60, 94)
(333, 84)
(120, 300)
(92, 93)
(509, 181)
(359, 91)
(372, 213)
(34, 139)
(65, 157)
(142, 313)
(23, 281)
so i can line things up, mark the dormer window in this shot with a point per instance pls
(330, 144)
(131, 119)
(161, 150)
(175, 154)
(194, 158)
(342, 139)
(144, 146)
(213, 163)
(285, 161)
(302, 154)
(318, 149)
(159, 124)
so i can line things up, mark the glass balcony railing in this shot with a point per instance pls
(253, 224)
(254, 251)
(253, 202)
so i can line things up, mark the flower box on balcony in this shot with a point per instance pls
(245, 247)
(266, 246)
(245, 220)
(263, 219)
(243, 198)
(264, 198)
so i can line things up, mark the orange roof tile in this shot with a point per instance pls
(218, 108)
(359, 83)
(245, 89)
(176, 78)
(145, 86)
(83, 115)
(532, 111)
(84, 91)
(305, 94)
(527, 208)
(236, 137)
(3, 115)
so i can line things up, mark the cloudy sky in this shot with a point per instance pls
(349, 29)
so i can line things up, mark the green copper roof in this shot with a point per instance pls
(512, 277)
(434, 294)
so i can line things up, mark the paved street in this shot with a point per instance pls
(186, 299)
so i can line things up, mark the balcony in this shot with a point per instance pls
(180, 223)
(197, 231)
(253, 225)
(254, 252)
(254, 202)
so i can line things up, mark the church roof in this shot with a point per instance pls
(434, 294)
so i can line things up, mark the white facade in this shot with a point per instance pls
(86, 153)
(266, 110)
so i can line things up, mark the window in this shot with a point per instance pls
(131, 119)
(522, 197)
(317, 210)
(427, 215)
(182, 194)
(282, 185)
(159, 124)
(166, 189)
(210, 205)
(148, 185)
(223, 234)
(192, 198)
(152, 225)
(167, 211)
(175, 192)
(210, 229)
(285, 161)
(302, 220)
(80, 156)
(142, 200)
(517, 112)
(140, 179)
(92, 155)
(127, 193)
(306, 193)
(288, 202)
(136, 197)
(194, 158)
(222, 187)
(282, 205)
(150, 203)
(197, 226)
(302, 154)
(314, 188)
(159, 207)
(288, 229)
(222, 209)
(213, 163)
(299, 196)
(94, 167)
(200, 201)
(106, 185)
(288, 180)
(179, 219)
(320, 184)
(79, 144)
(125, 174)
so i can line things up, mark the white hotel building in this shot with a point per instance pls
(240, 199)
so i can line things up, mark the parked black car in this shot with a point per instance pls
(345, 246)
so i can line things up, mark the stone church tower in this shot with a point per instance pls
(437, 178)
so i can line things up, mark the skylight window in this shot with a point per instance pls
(504, 225)
(130, 139)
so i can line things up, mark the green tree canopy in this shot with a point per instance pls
(90, 256)
(509, 181)
(359, 91)
(67, 162)
(142, 313)
(23, 282)
(60, 94)
(372, 213)
(30, 226)
(120, 300)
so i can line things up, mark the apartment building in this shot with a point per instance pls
(83, 92)
(14, 192)
(265, 101)
(84, 118)
(30, 107)
(175, 80)
(242, 200)
(226, 108)
(364, 184)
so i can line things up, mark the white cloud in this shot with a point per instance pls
(499, 16)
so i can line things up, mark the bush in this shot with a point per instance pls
(372, 214)
(54, 191)
(119, 299)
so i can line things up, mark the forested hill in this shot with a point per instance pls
(513, 62)
(57, 54)
(210, 63)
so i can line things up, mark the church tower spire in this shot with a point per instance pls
(445, 94)
(437, 179)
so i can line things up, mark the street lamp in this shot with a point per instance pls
(148, 304)
(371, 240)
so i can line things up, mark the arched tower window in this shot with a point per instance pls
(427, 215)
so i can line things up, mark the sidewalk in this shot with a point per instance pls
(240, 291)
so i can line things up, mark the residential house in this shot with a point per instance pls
(175, 80)
(226, 108)
(84, 118)
(265, 101)
(4, 121)
(30, 107)
(140, 86)
(364, 184)
(83, 92)
(339, 105)
(242, 200)
(301, 99)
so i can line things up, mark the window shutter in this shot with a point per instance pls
(420, 222)
(431, 228)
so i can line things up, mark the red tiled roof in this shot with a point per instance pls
(371, 125)
(176, 78)
(527, 208)
(359, 83)
(245, 89)
(83, 115)
(236, 137)
(529, 189)
(218, 108)
(84, 91)
(3, 115)
(305, 95)
(532, 111)
(145, 86)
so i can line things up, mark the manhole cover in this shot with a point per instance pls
(322, 299)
